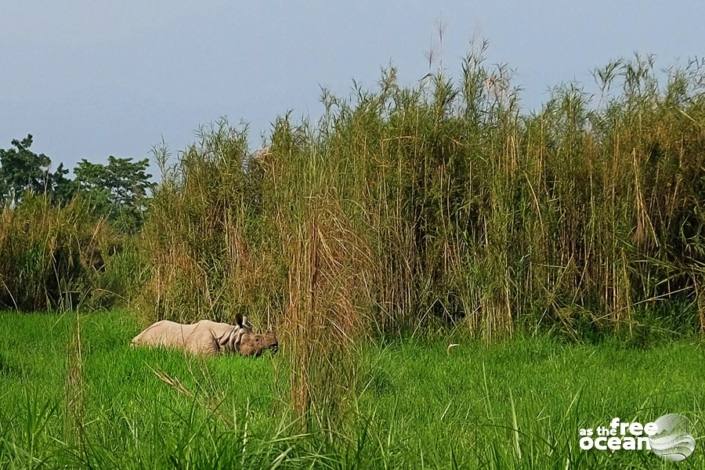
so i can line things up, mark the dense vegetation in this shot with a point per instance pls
(66, 243)
(437, 202)
(444, 204)
(404, 210)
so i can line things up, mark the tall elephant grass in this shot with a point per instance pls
(408, 209)
(63, 257)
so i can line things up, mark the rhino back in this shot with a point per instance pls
(164, 333)
(217, 328)
(203, 339)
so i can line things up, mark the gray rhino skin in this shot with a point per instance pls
(207, 337)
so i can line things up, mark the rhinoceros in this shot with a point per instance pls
(208, 337)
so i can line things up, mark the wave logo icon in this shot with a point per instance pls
(672, 440)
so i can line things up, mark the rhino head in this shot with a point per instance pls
(251, 343)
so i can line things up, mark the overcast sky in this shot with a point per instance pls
(95, 78)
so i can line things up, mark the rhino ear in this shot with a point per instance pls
(240, 320)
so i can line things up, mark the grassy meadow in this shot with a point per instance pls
(562, 250)
(74, 394)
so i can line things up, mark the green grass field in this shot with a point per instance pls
(513, 405)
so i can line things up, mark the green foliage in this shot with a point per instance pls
(118, 190)
(23, 170)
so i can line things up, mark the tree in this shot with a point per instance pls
(22, 170)
(119, 189)
(62, 188)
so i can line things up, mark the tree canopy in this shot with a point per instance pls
(22, 170)
(118, 190)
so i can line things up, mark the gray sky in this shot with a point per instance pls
(95, 78)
